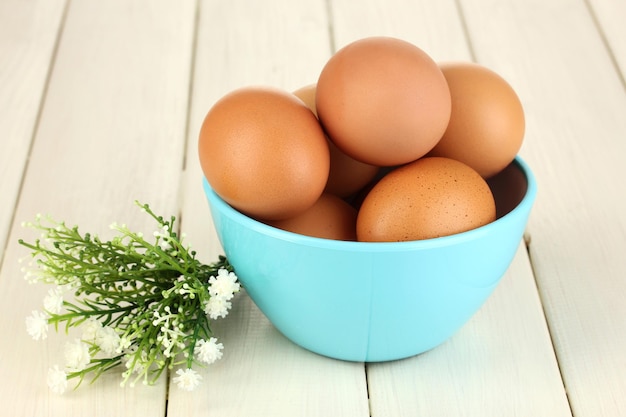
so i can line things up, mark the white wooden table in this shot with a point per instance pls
(101, 102)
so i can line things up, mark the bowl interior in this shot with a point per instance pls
(509, 187)
(514, 189)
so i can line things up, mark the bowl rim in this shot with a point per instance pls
(353, 246)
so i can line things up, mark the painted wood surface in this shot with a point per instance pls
(575, 103)
(101, 103)
(115, 104)
(28, 37)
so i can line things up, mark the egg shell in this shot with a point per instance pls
(264, 152)
(330, 218)
(347, 175)
(428, 198)
(487, 123)
(383, 101)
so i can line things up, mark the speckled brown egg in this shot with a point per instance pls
(486, 127)
(330, 218)
(347, 175)
(383, 101)
(264, 152)
(428, 198)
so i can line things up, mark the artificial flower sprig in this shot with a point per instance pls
(144, 304)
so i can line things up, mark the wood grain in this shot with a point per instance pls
(452, 379)
(575, 105)
(500, 363)
(28, 35)
(262, 373)
(111, 131)
(101, 104)
(435, 27)
(608, 16)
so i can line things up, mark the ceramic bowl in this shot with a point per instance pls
(370, 302)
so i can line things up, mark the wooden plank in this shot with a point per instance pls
(103, 112)
(609, 17)
(433, 26)
(28, 33)
(575, 104)
(500, 363)
(264, 374)
(282, 44)
(111, 131)
(505, 349)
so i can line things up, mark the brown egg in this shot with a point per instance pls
(264, 152)
(428, 198)
(486, 126)
(330, 218)
(347, 175)
(383, 101)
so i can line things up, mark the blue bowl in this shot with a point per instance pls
(371, 302)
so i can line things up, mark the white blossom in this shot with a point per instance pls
(37, 325)
(124, 344)
(187, 379)
(154, 337)
(163, 237)
(136, 362)
(224, 285)
(164, 244)
(53, 302)
(91, 329)
(77, 355)
(208, 351)
(107, 340)
(217, 307)
(170, 334)
(57, 380)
